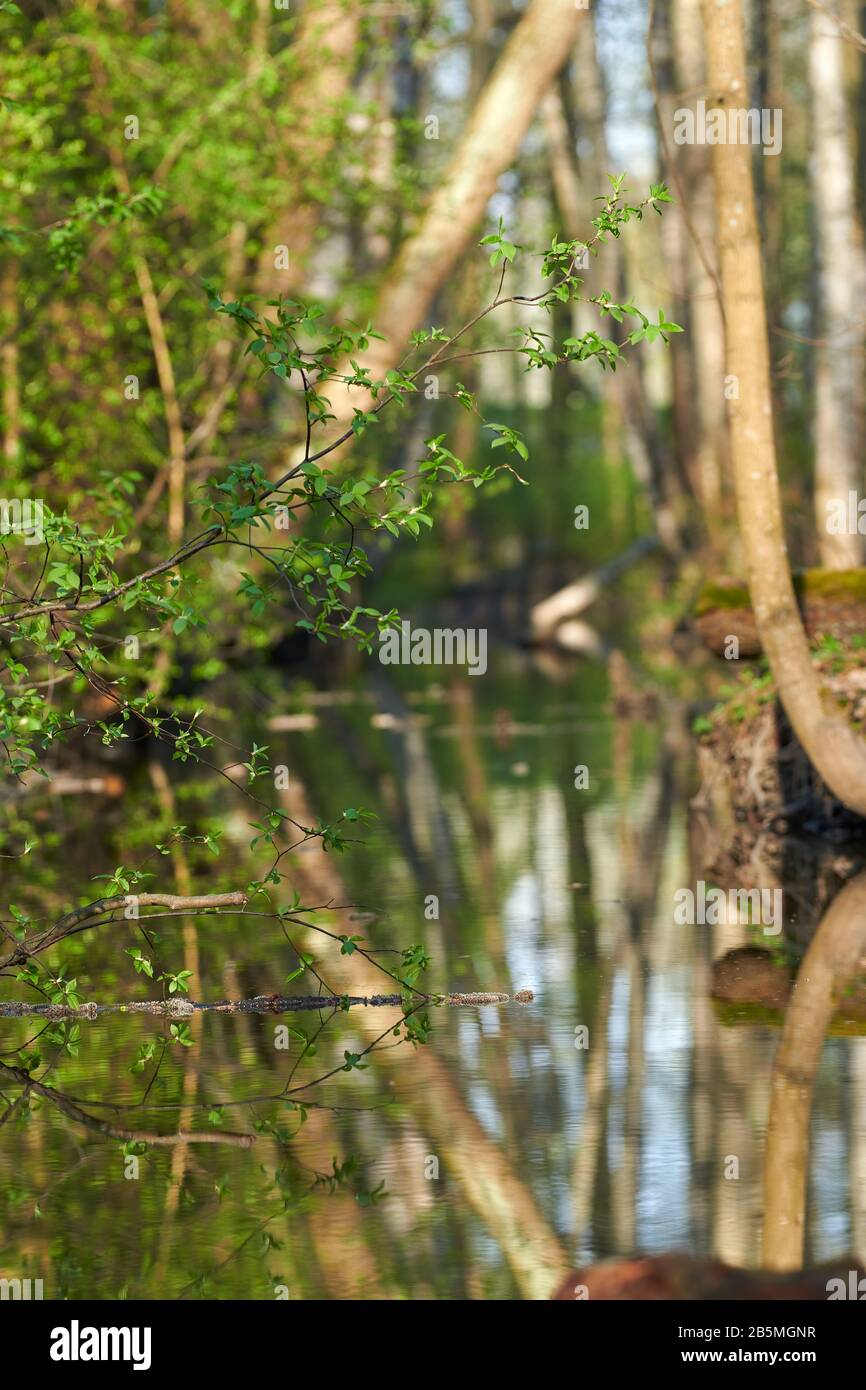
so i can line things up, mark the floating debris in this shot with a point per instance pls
(258, 1004)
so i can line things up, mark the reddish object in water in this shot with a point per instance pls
(677, 1276)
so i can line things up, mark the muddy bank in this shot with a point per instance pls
(762, 816)
(753, 985)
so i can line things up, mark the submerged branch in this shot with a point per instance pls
(109, 1131)
(259, 1004)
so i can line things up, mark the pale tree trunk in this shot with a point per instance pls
(483, 19)
(571, 204)
(857, 1151)
(589, 98)
(675, 240)
(631, 399)
(9, 366)
(706, 339)
(772, 19)
(836, 752)
(839, 361)
(471, 289)
(490, 1187)
(575, 103)
(835, 956)
(623, 397)
(175, 471)
(176, 467)
(538, 47)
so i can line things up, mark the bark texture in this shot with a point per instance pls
(839, 363)
(837, 753)
(539, 46)
(837, 952)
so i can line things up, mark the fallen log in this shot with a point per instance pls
(64, 784)
(570, 601)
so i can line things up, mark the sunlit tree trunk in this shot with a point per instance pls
(538, 47)
(623, 397)
(836, 953)
(590, 1148)
(571, 205)
(857, 1150)
(490, 1185)
(770, 21)
(836, 752)
(675, 244)
(589, 102)
(9, 367)
(839, 364)
(706, 338)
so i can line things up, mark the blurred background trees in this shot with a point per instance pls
(350, 151)
(353, 153)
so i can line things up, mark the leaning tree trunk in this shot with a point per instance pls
(839, 367)
(539, 46)
(836, 752)
(835, 956)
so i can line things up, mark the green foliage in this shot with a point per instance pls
(113, 238)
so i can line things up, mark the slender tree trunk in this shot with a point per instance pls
(771, 19)
(836, 752)
(675, 239)
(836, 953)
(707, 337)
(587, 97)
(176, 464)
(839, 362)
(571, 204)
(9, 366)
(489, 1184)
(326, 45)
(538, 47)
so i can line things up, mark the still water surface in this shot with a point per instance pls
(514, 1146)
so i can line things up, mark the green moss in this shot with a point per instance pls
(759, 1015)
(837, 584)
(842, 585)
(714, 596)
(735, 1015)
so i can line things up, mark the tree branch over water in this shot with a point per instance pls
(84, 916)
